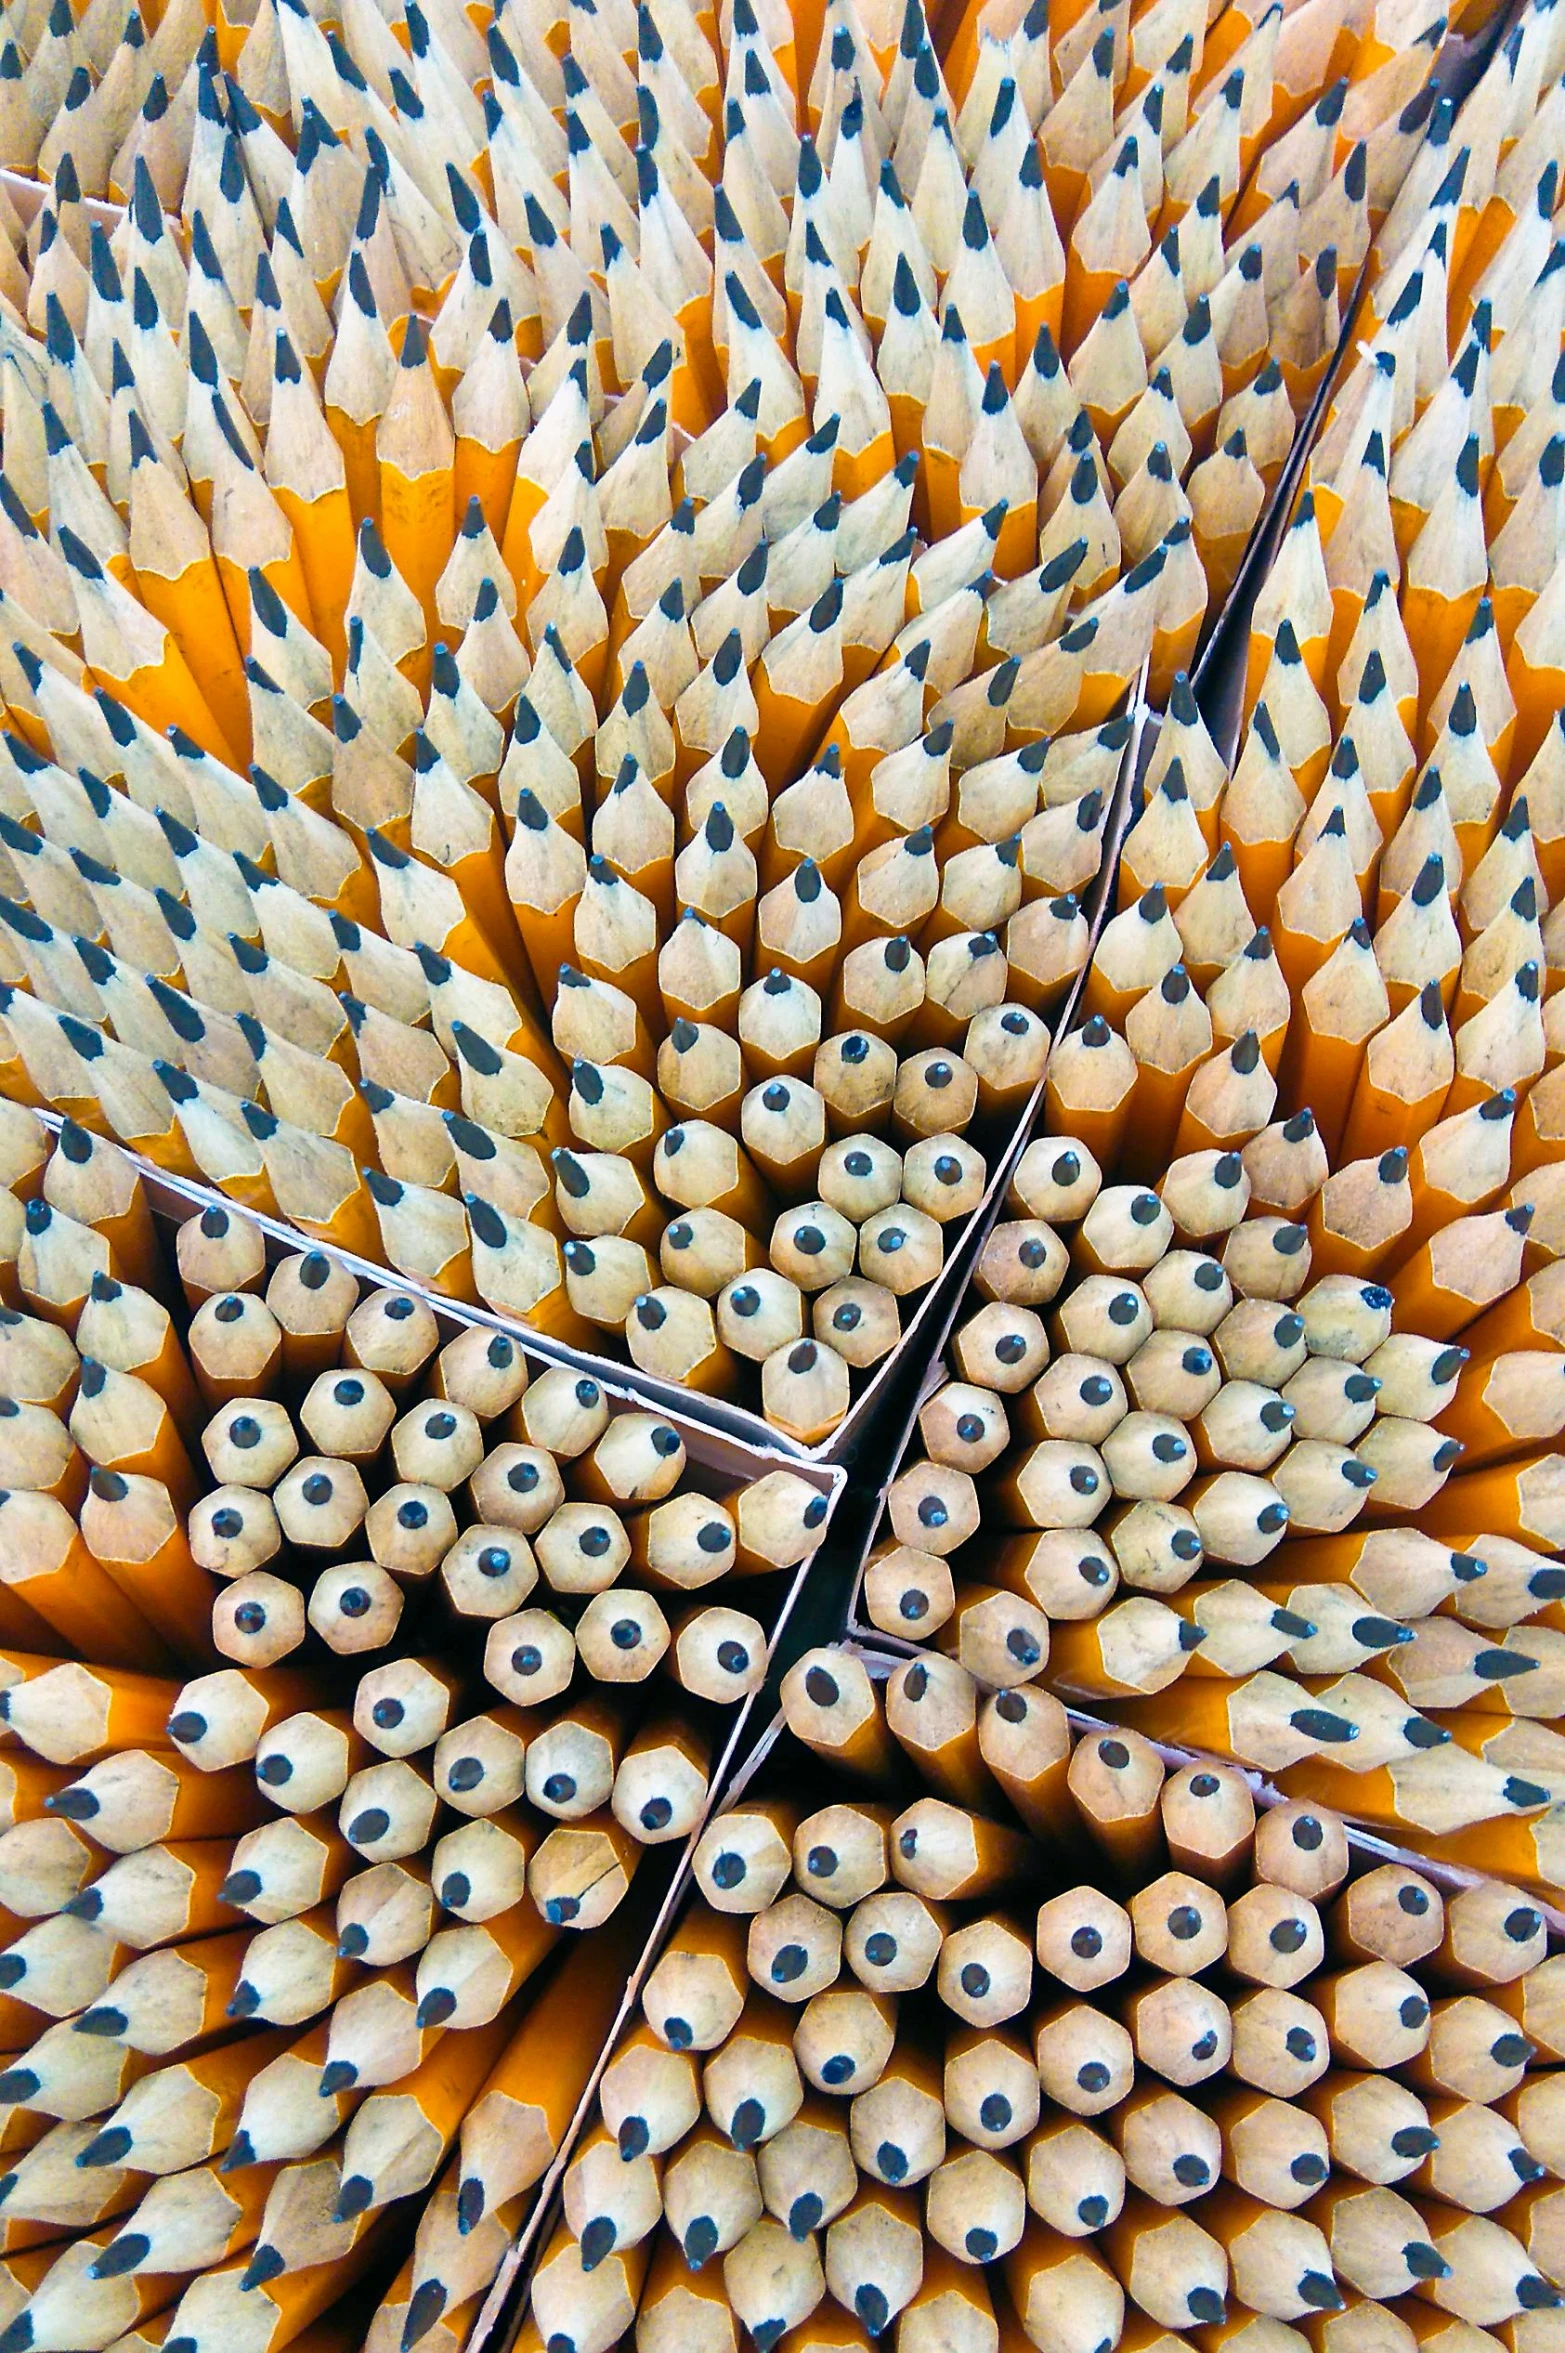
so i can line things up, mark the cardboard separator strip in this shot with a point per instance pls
(501, 2312)
(505, 2306)
(925, 1336)
(732, 1460)
(27, 195)
(183, 1197)
(504, 2309)
(884, 1653)
(1218, 677)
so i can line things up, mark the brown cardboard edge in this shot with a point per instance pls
(1143, 718)
(732, 1459)
(741, 1423)
(884, 1653)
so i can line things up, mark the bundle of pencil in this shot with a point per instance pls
(344, 1671)
(567, 583)
(1278, 1314)
(218, 2195)
(1263, 2090)
(572, 587)
(1201, 1465)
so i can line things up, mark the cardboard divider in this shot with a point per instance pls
(503, 2310)
(730, 1461)
(898, 1384)
(1217, 630)
(722, 1464)
(1218, 677)
(185, 1197)
(893, 1649)
(884, 1653)
(913, 1370)
(1456, 67)
(27, 193)
(1218, 682)
(867, 1506)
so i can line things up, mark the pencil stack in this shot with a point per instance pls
(1198, 1467)
(345, 1672)
(569, 587)
(574, 588)
(1261, 1380)
(1260, 2090)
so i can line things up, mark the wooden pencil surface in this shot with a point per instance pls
(1249, 1424)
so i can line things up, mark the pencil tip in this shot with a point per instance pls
(265, 2264)
(353, 2197)
(425, 2306)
